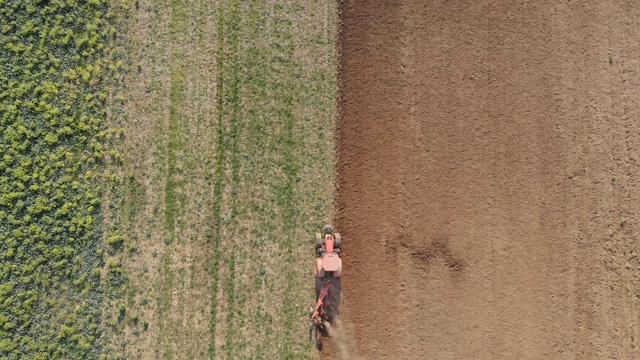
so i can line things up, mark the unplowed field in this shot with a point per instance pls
(489, 180)
(229, 111)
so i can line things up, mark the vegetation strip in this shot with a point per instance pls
(286, 90)
(218, 185)
(54, 60)
(175, 114)
(233, 102)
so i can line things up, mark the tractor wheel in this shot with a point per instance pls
(334, 298)
(319, 241)
(338, 240)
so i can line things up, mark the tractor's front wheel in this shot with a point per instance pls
(338, 240)
(319, 241)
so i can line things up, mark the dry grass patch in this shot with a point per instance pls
(230, 167)
(170, 152)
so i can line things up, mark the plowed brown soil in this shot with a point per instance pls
(488, 181)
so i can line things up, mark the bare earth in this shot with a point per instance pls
(488, 180)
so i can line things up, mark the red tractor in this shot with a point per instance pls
(328, 270)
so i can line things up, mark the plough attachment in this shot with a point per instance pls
(323, 313)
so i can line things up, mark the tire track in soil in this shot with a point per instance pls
(470, 144)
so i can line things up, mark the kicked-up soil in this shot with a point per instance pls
(488, 180)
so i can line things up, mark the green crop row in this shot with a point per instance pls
(54, 57)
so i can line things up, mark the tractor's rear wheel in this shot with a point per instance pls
(334, 298)
(319, 241)
(338, 240)
(318, 287)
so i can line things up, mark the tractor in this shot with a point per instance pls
(327, 270)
